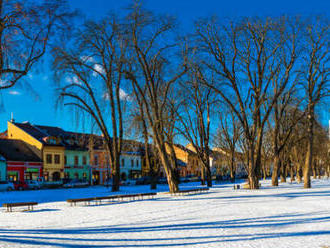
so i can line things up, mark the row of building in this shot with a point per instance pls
(29, 151)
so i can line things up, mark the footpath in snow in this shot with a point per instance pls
(287, 216)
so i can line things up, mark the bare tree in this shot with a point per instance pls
(142, 123)
(245, 58)
(227, 137)
(92, 68)
(194, 120)
(315, 72)
(286, 117)
(26, 28)
(153, 72)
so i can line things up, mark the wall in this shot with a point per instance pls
(3, 170)
(50, 168)
(15, 132)
(127, 166)
(72, 170)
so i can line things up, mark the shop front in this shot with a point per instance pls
(21, 171)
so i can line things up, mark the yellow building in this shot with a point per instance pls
(189, 158)
(51, 148)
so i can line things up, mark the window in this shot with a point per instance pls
(65, 161)
(85, 176)
(122, 162)
(96, 160)
(84, 160)
(76, 160)
(57, 159)
(137, 163)
(49, 158)
(132, 163)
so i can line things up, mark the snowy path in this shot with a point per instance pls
(288, 216)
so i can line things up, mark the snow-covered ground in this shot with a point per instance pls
(287, 216)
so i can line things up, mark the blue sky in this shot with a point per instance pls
(36, 102)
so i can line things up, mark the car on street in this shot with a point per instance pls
(75, 183)
(143, 180)
(6, 186)
(109, 183)
(32, 184)
(128, 182)
(20, 185)
(162, 180)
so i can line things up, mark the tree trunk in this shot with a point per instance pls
(171, 180)
(202, 175)
(309, 154)
(314, 169)
(298, 172)
(264, 171)
(116, 176)
(207, 170)
(275, 170)
(252, 177)
(292, 178)
(283, 173)
(232, 169)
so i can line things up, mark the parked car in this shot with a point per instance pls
(74, 183)
(143, 180)
(20, 185)
(109, 183)
(49, 184)
(162, 180)
(128, 182)
(6, 186)
(32, 184)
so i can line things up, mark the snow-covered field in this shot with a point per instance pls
(287, 216)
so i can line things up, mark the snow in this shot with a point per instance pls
(287, 216)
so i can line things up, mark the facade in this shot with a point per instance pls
(187, 160)
(76, 164)
(130, 165)
(22, 160)
(99, 158)
(69, 155)
(50, 147)
(222, 160)
(3, 169)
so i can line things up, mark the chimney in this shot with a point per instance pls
(12, 118)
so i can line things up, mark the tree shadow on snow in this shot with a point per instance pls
(83, 237)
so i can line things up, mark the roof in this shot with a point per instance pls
(76, 141)
(185, 149)
(17, 150)
(41, 133)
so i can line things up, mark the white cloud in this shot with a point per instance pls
(2, 82)
(87, 59)
(14, 92)
(122, 95)
(105, 96)
(98, 69)
(73, 79)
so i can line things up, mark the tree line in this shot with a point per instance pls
(252, 84)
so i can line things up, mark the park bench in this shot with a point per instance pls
(190, 191)
(237, 186)
(85, 200)
(10, 206)
(112, 197)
